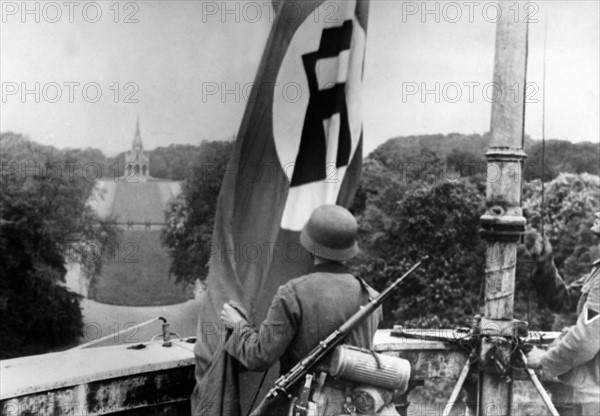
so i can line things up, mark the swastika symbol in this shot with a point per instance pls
(323, 104)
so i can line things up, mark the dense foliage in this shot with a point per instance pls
(44, 221)
(190, 217)
(172, 162)
(569, 204)
(92, 163)
(428, 148)
(440, 157)
(441, 221)
(570, 201)
(561, 156)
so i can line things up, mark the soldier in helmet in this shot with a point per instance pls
(307, 309)
(575, 358)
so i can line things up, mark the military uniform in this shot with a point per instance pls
(575, 357)
(304, 312)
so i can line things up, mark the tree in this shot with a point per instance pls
(396, 152)
(173, 162)
(44, 221)
(568, 213)
(561, 156)
(190, 217)
(466, 164)
(91, 161)
(569, 206)
(375, 180)
(442, 221)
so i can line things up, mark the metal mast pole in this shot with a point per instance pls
(503, 222)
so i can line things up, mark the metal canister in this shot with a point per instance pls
(370, 400)
(366, 367)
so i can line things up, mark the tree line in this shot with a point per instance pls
(172, 162)
(417, 194)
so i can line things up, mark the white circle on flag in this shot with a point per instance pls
(289, 112)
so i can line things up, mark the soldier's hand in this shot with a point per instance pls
(532, 241)
(545, 256)
(538, 248)
(534, 358)
(230, 317)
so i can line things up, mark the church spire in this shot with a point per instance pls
(136, 161)
(137, 139)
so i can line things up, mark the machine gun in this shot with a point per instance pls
(285, 382)
(469, 339)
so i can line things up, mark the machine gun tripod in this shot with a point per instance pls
(470, 340)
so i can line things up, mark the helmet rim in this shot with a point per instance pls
(330, 242)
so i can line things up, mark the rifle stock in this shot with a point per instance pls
(286, 381)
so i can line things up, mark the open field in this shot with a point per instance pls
(137, 274)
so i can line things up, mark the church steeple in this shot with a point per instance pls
(136, 161)
(137, 139)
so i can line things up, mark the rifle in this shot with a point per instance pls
(286, 381)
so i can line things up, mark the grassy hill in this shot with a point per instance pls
(138, 202)
(137, 274)
(130, 201)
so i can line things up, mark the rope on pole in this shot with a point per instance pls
(543, 203)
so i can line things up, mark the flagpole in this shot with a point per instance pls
(503, 222)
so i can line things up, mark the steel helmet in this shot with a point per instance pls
(330, 233)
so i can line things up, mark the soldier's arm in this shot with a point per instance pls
(552, 289)
(581, 342)
(549, 285)
(259, 348)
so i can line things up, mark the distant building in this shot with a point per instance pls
(137, 163)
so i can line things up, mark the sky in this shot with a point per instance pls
(168, 63)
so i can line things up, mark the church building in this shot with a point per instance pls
(137, 163)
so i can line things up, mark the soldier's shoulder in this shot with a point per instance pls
(316, 279)
(298, 282)
(304, 280)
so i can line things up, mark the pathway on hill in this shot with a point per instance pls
(138, 202)
(131, 201)
(136, 271)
